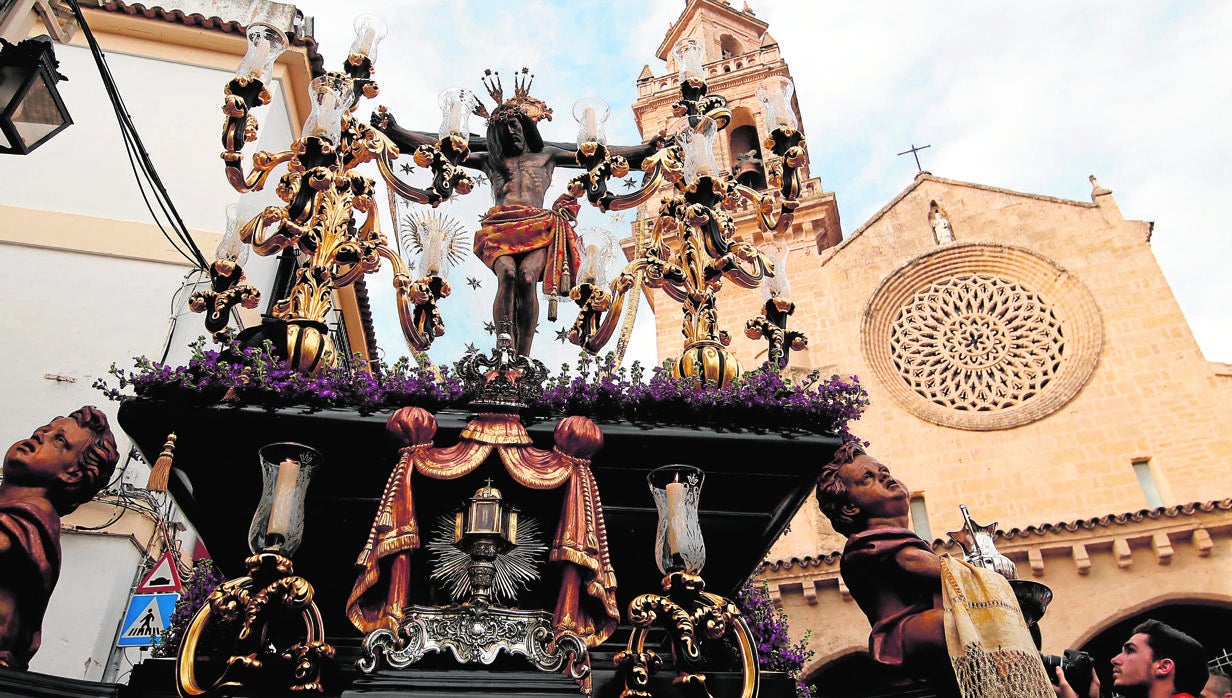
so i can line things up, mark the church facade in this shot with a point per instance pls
(1024, 356)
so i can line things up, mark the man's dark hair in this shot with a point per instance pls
(832, 493)
(1223, 682)
(97, 462)
(1166, 642)
(496, 134)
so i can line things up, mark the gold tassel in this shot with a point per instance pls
(162, 466)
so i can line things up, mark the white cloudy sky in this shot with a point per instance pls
(1029, 96)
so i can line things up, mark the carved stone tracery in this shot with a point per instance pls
(977, 342)
(981, 336)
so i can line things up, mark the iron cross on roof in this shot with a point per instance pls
(915, 152)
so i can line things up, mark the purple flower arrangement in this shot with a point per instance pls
(760, 399)
(203, 579)
(775, 650)
(596, 388)
(256, 376)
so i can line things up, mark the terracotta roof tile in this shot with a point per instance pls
(1172, 512)
(807, 561)
(315, 61)
(1107, 521)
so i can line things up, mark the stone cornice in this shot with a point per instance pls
(1166, 532)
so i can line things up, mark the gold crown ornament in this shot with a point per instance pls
(520, 104)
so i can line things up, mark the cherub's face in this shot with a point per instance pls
(871, 489)
(53, 451)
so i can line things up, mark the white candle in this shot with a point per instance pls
(675, 516)
(284, 499)
(590, 123)
(364, 40)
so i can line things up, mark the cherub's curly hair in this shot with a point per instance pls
(832, 493)
(97, 462)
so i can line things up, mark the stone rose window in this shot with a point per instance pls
(982, 337)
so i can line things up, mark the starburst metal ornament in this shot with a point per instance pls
(473, 282)
(439, 241)
(408, 167)
(516, 568)
(482, 556)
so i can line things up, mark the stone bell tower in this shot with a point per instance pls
(739, 54)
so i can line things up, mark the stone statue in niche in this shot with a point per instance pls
(60, 467)
(940, 222)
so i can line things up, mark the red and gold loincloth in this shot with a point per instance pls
(511, 230)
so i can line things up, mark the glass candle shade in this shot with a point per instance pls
(286, 470)
(697, 143)
(265, 44)
(598, 250)
(331, 97)
(369, 32)
(775, 93)
(591, 114)
(457, 105)
(231, 246)
(689, 54)
(775, 286)
(678, 542)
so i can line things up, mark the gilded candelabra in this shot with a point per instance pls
(691, 615)
(693, 273)
(323, 192)
(265, 623)
(777, 307)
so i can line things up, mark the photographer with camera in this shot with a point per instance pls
(1157, 661)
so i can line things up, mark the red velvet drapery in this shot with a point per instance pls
(586, 602)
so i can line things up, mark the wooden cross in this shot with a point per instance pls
(915, 152)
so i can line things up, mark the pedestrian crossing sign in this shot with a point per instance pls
(147, 617)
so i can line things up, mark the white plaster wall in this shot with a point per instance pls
(176, 109)
(83, 169)
(73, 314)
(80, 626)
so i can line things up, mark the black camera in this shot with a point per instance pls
(1077, 665)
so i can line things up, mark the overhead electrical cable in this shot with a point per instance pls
(139, 159)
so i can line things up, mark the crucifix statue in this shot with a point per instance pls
(519, 240)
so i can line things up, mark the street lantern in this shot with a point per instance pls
(32, 110)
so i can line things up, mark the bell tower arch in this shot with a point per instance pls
(739, 54)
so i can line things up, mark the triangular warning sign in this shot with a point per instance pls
(162, 579)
